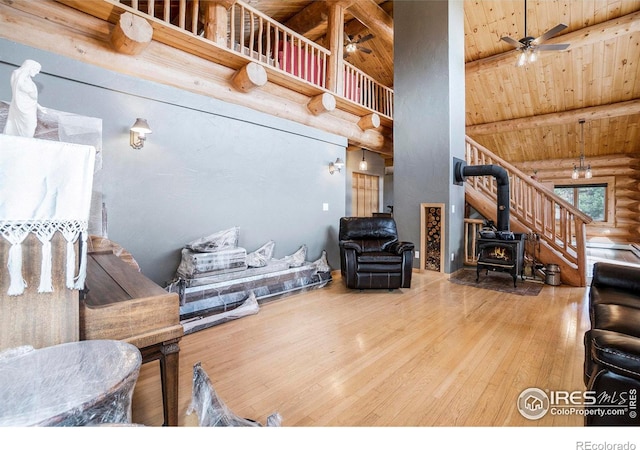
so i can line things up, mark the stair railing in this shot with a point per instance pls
(558, 223)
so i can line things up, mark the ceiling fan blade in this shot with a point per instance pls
(364, 49)
(551, 47)
(512, 41)
(347, 38)
(365, 38)
(549, 34)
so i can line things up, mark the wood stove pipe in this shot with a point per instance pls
(461, 170)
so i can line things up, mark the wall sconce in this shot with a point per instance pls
(138, 133)
(336, 166)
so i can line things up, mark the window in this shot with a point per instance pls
(591, 199)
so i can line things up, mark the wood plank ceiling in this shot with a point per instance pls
(527, 113)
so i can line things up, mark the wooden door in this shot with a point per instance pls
(365, 194)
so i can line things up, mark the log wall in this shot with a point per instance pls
(620, 171)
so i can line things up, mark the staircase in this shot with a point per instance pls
(534, 209)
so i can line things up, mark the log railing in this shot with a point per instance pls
(260, 38)
(558, 223)
(364, 90)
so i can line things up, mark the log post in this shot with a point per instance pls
(322, 103)
(131, 34)
(335, 34)
(216, 18)
(250, 76)
(369, 122)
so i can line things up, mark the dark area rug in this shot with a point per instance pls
(496, 281)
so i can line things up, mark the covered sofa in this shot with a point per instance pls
(372, 256)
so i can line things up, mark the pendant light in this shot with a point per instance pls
(363, 163)
(586, 169)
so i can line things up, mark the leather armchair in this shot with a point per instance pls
(612, 345)
(371, 256)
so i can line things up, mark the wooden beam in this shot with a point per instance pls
(374, 18)
(321, 103)
(249, 77)
(561, 118)
(310, 19)
(131, 35)
(580, 38)
(369, 121)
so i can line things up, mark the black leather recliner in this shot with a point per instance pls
(612, 345)
(371, 256)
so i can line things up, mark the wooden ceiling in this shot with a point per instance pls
(532, 112)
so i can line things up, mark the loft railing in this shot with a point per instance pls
(260, 38)
(558, 223)
(364, 90)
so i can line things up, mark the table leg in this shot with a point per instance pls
(169, 367)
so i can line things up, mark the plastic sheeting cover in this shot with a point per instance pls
(72, 384)
(261, 256)
(216, 241)
(212, 411)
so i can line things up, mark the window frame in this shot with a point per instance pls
(609, 198)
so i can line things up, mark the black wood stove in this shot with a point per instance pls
(501, 250)
(501, 255)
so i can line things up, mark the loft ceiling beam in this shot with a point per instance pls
(585, 36)
(560, 118)
(312, 20)
(374, 18)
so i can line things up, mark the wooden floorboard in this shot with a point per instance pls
(438, 354)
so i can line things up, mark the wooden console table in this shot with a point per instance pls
(122, 304)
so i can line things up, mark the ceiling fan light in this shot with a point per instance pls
(522, 59)
(351, 47)
(575, 175)
(533, 56)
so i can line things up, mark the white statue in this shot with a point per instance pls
(23, 110)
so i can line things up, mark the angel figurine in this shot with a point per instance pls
(23, 110)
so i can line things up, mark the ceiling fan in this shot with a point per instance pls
(529, 46)
(351, 43)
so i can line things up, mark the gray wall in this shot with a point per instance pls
(429, 116)
(207, 166)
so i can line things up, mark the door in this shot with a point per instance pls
(365, 194)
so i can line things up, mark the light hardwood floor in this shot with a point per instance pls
(438, 354)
